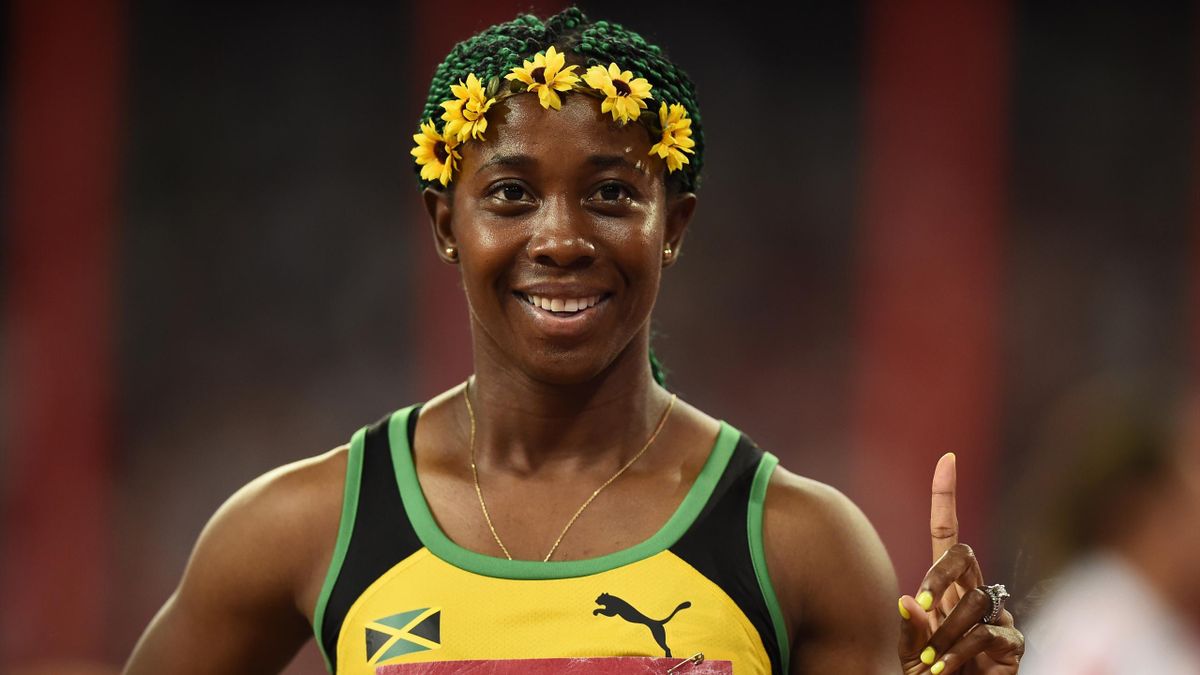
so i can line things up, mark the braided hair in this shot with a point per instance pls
(496, 50)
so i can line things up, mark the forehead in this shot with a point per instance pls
(519, 126)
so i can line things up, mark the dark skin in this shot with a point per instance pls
(560, 204)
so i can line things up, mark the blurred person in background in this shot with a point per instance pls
(1117, 534)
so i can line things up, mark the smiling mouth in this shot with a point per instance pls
(563, 306)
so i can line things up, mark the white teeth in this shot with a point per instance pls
(563, 305)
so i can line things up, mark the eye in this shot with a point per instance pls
(611, 192)
(511, 193)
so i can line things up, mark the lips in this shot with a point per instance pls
(563, 305)
(564, 313)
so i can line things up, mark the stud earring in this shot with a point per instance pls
(451, 253)
(668, 253)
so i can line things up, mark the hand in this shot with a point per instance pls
(950, 634)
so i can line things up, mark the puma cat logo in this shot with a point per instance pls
(611, 605)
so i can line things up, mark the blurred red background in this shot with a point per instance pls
(921, 222)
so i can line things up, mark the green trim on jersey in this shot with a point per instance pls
(754, 525)
(354, 458)
(436, 541)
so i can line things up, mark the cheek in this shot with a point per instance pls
(488, 241)
(643, 234)
(485, 258)
(650, 237)
(482, 234)
(635, 250)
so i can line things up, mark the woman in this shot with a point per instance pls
(562, 502)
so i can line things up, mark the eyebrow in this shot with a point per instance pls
(516, 161)
(609, 161)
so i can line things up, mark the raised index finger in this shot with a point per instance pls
(943, 518)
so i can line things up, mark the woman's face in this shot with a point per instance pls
(560, 219)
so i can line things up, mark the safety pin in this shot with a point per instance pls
(698, 657)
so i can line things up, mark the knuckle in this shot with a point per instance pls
(979, 599)
(964, 550)
(1008, 639)
(941, 532)
(979, 602)
(987, 637)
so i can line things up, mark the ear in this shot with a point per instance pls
(438, 205)
(680, 208)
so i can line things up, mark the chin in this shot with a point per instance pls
(566, 367)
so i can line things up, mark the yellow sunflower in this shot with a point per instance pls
(676, 136)
(624, 96)
(436, 154)
(464, 114)
(546, 76)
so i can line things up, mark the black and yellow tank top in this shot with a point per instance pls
(399, 591)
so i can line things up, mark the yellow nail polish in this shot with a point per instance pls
(925, 600)
(903, 612)
(938, 668)
(928, 656)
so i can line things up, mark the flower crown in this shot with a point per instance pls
(623, 96)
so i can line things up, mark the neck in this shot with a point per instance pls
(525, 425)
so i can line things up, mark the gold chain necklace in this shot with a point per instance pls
(662, 421)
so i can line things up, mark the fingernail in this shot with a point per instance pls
(938, 667)
(903, 612)
(925, 600)
(928, 656)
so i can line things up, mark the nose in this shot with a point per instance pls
(560, 239)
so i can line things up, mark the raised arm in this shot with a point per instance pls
(837, 589)
(244, 601)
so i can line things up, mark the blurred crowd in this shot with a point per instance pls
(1113, 527)
(274, 284)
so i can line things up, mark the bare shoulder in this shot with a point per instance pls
(810, 524)
(283, 523)
(245, 601)
(290, 499)
(835, 582)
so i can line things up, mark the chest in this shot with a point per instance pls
(425, 609)
(532, 517)
(403, 588)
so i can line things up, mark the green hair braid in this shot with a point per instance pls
(495, 51)
(656, 369)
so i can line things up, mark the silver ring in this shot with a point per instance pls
(997, 593)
